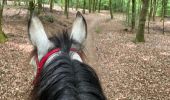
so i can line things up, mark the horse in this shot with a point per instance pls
(60, 71)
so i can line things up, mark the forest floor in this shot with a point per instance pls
(127, 71)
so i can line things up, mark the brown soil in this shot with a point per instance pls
(127, 71)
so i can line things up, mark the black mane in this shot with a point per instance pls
(67, 79)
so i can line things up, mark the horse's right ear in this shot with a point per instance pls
(79, 29)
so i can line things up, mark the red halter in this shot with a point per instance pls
(44, 59)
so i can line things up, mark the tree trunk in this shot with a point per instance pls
(94, 4)
(111, 11)
(99, 6)
(71, 4)
(84, 6)
(154, 9)
(151, 9)
(2, 35)
(90, 1)
(39, 6)
(66, 9)
(51, 5)
(61, 4)
(31, 7)
(5, 3)
(164, 6)
(128, 12)
(150, 14)
(133, 14)
(142, 20)
(68, 5)
(77, 5)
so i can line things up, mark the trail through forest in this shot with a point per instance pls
(127, 71)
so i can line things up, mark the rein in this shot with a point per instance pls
(42, 62)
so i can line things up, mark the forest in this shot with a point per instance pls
(128, 44)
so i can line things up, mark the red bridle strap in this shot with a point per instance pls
(43, 61)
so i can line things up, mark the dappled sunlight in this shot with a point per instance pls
(165, 53)
(147, 58)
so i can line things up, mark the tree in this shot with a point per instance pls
(5, 3)
(150, 12)
(77, 4)
(154, 9)
(99, 6)
(66, 8)
(3, 37)
(142, 20)
(94, 5)
(51, 5)
(128, 12)
(111, 11)
(39, 6)
(133, 14)
(90, 1)
(84, 6)
(31, 7)
(164, 8)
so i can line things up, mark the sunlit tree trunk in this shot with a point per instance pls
(111, 11)
(2, 35)
(133, 14)
(142, 20)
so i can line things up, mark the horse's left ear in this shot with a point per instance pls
(79, 29)
(38, 36)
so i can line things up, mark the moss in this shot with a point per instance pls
(3, 38)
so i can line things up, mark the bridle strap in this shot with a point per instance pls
(44, 59)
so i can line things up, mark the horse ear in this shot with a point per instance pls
(38, 36)
(79, 29)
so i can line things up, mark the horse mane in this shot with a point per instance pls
(67, 79)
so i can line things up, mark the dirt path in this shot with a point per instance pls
(90, 43)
